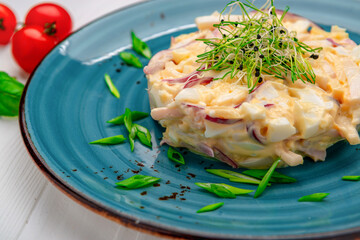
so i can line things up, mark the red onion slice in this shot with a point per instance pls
(254, 133)
(182, 79)
(269, 105)
(204, 148)
(192, 82)
(224, 158)
(222, 120)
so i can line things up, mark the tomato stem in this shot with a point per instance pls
(50, 28)
(2, 27)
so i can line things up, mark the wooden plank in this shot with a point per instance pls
(20, 180)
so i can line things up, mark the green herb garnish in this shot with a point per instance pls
(175, 156)
(351, 178)
(132, 136)
(223, 190)
(10, 94)
(256, 46)
(140, 47)
(131, 59)
(110, 140)
(111, 86)
(264, 182)
(135, 115)
(143, 134)
(276, 177)
(234, 176)
(137, 181)
(210, 207)
(315, 197)
(128, 120)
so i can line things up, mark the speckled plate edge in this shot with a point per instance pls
(124, 219)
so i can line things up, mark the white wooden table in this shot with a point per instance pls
(30, 206)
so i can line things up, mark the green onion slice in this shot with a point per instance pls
(143, 134)
(275, 178)
(140, 47)
(111, 86)
(135, 115)
(234, 176)
(110, 140)
(210, 207)
(137, 181)
(132, 136)
(264, 182)
(351, 178)
(128, 120)
(315, 197)
(131, 59)
(175, 156)
(223, 190)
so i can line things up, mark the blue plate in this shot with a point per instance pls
(66, 105)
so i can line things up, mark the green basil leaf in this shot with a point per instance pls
(111, 86)
(128, 120)
(234, 176)
(140, 47)
(131, 59)
(110, 140)
(210, 207)
(264, 182)
(132, 136)
(234, 190)
(315, 197)
(351, 178)
(10, 94)
(135, 115)
(137, 181)
(175, 156)
(275, 178)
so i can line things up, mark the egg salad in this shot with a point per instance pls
(285, 88)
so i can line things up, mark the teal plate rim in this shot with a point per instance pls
(124, 219)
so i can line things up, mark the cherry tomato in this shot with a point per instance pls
(30, 45)
(7, 24)
(55, 19)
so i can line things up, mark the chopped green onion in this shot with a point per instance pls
(315, 197)
(223, 190)
(210, 207)
(131, 59)
(137, 181)
(111, 86)
(276, 177)
(128, 120)
(264, 182)
(175, 156)
(135, 115)
(143, 134)
(234, 176)
(140, 47)
(132, 136)
(110, 140)
(351, 178)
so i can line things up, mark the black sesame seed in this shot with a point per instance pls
(222, 20)
(258, 36)
(280, 44)
(243, 50)
(235, 24)
(231, 62)
(257, 74)
(236, 36)
(241, 67)
(251, 45)
(260, 80)
(256, 49)
(314, 56)
(282, 31)
(261, 56)
(224, 35)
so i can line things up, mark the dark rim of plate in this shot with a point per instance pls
(122, 218)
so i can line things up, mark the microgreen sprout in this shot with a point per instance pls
(257, 45)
